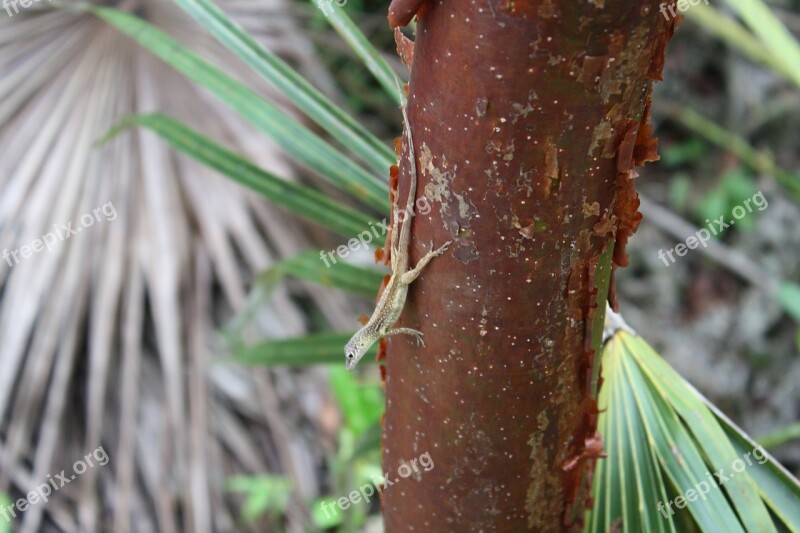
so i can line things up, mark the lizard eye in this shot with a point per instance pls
(349, 356)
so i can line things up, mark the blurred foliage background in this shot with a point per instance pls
(126, 336)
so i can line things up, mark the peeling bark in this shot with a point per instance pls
(528, 119)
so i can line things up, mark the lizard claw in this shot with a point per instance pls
(420, 342)
(441, 249)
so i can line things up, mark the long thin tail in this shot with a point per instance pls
(412, 163)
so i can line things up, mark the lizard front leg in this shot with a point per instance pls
(407, 331)
(412, 274)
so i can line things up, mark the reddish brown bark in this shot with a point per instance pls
(528, 118)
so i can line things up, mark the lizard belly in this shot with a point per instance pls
(395, 308)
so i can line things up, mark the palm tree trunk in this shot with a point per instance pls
(528, 119)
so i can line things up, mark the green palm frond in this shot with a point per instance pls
(309, 267)
(763, 38)
(308, 350)
(340, 125)
(302, 201)
(301, 351)
(673, 460)
(348, 31)
(772, 33)
(292, 136)
(733, 33)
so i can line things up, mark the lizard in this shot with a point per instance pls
(393, 299)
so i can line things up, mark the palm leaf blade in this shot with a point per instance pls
(288, 133)
(320, 348)
(708, 434)
(771, 31)
(363, 49)
(309, 267)
(303, 201)
(779, 489)
(300, 92)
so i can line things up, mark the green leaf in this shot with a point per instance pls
(294, 87)
(325, 513)
(361, 405)
(5, 501)
(789, 297)
(739, 185)
(734, 188)
(678, 456)
(716, 134)
(293, 137)
(771, 31)
(683, 153)
(642, 465)
(319, 348)
(310, 266)
(781, 436)
(264, 494)
(664, 439)
(714, 444)
(680, 187)
(778, 488)
(298, 199)
(373, 60)
(738, 37)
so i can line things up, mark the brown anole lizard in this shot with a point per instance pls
(393, 299)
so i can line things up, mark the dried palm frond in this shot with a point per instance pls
(107, 336)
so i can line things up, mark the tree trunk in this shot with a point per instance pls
(528, 118)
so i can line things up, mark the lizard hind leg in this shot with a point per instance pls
(407, 331)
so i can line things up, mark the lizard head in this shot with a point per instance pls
(354, 350)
